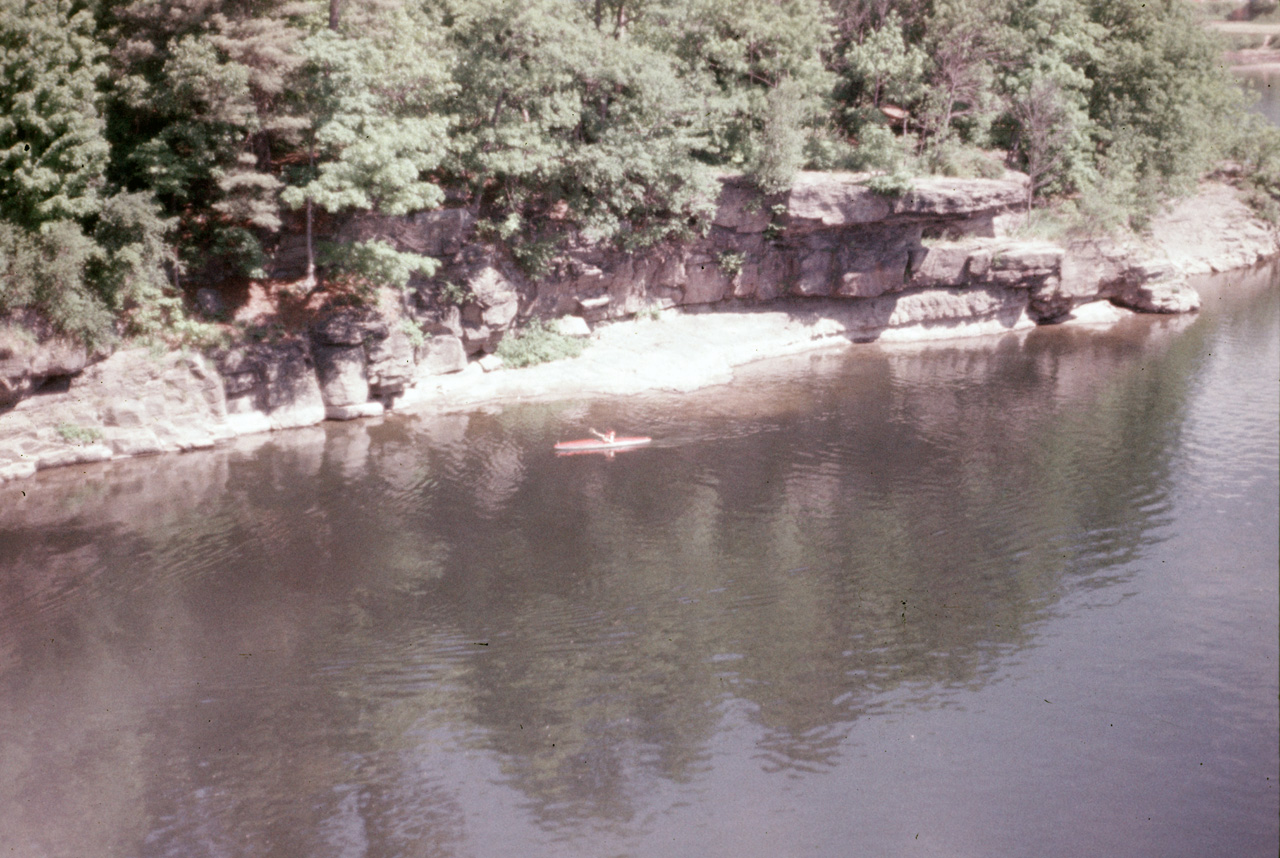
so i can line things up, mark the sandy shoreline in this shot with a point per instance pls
(682, 351)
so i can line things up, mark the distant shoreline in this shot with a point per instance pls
(1254, 60)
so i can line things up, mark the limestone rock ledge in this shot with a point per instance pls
(829, 262)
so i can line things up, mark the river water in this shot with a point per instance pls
(1011, 596)
(1262, 86)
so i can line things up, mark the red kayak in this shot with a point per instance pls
(595, 445)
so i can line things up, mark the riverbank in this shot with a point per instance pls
(839, 266)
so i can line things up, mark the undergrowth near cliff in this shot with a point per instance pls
(537, 343)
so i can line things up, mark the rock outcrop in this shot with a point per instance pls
(133, 403)
(31, 356)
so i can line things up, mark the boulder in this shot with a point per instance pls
(842, 199)
(940, 311)
(390, 364)
(275, 381)
(765, 277)
(351, 412)
(341, 370)
(136, 441)
(135, 387)
(495, 295)
(17, 470)
(442, 319)
(571, 326)
(128, 414)
(349, 328)
(872, 282)
(813, 275)
(292, 396)
(74, 455)
(1023, 263)
(825, 200)
(478, 338)
(1170, 295)
(1095, 313)
(439, 355)
(187, 436)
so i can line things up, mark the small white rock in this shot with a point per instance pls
(572, 326)
(1096, 313)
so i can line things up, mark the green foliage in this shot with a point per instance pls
(140, 140)
(99, 287)
(736, 56)
(560, 121)
(1256, 148)
(535, 254)
(77, 434)
(371, 101)
(952, 157)
(893, 184)
(45, 270)
(883, 68)
(877, 149)
(413, 333)
(52, 148)
(537, 343)
(456, 294)
(730, 263)
(132, 273)
(1160, 94)
(780, 154)
(198, 103)
(377, 263)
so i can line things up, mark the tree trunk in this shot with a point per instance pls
(335, 13)
(310, 281)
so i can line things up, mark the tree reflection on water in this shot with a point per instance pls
(322, 641)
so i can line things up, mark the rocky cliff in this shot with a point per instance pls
(831, 258)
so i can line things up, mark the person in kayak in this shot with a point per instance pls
(606, 437)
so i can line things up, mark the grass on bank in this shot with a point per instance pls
(537, 343)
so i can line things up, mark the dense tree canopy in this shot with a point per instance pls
(143, 138)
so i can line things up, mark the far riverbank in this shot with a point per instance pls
(841, 265)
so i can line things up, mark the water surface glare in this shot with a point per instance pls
(1012, 596)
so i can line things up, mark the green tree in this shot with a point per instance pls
(1160, 94)
(965, 40)
(736, 54)
(199, 108)
(88, 259)
(1049, 45)
(593, 126)
(375, 80)
(884, 67)
(52, 148)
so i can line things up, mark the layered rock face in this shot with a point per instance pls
(133, 403)
(838, 259)
(830, 236)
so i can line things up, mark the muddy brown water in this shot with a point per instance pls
(1011, 596)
